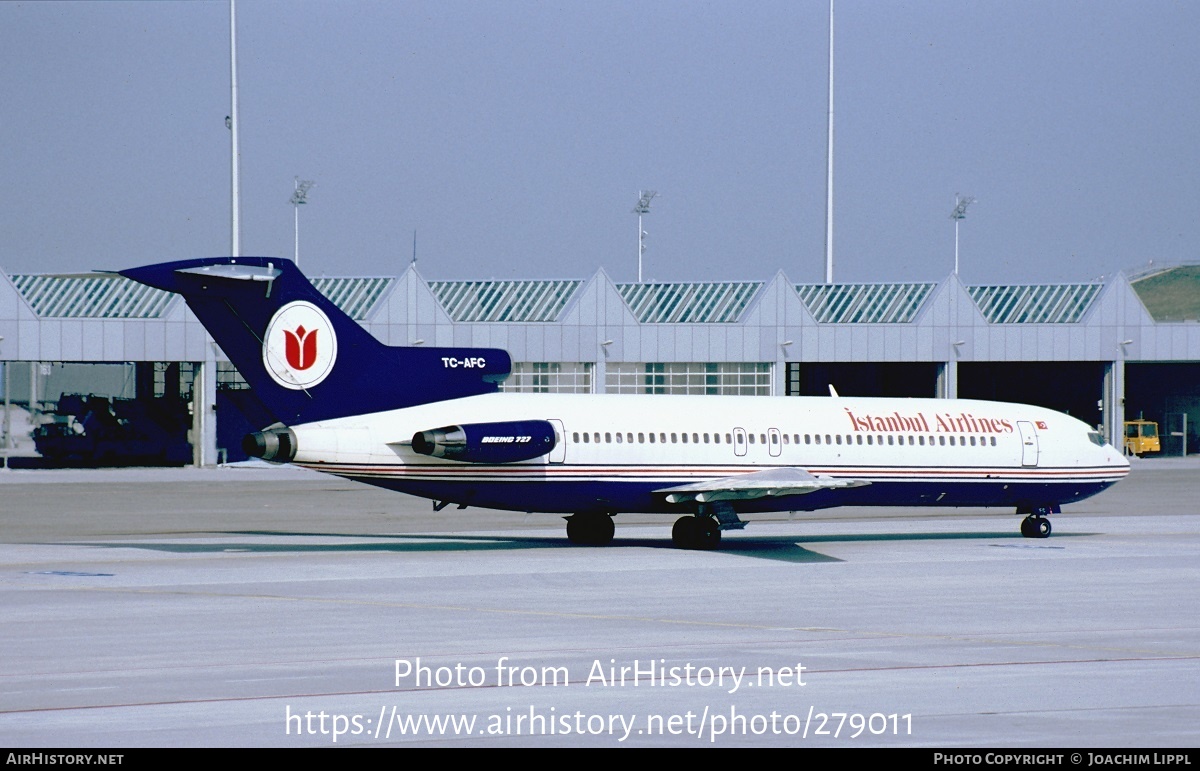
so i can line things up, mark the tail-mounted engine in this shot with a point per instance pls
(507, 442)
(276, 443)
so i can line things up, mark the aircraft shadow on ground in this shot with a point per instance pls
(781, 548)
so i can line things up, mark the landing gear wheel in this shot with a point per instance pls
(708, 533)
(683, 534)
(692, 532)
(590, 529)
(1035, 527)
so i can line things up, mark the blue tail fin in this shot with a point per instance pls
(304, 357)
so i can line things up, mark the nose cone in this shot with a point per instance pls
(1116, 461)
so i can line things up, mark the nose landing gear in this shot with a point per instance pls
(1036, 525)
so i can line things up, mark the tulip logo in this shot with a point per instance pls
(300, 347)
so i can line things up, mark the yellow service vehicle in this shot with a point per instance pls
(1141, 437)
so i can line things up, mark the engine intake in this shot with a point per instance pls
(275, 443)
(505, 442)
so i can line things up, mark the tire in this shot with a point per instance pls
(708, 533)
(684, 534)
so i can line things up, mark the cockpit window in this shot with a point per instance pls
(1096, 437)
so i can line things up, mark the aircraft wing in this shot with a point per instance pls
(771, 483)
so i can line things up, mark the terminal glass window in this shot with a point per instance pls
(698, 378)
(549, 377)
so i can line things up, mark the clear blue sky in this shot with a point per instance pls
(514, 136)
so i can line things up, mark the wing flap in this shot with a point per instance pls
(771, 483)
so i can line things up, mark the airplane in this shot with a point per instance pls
(432, 422)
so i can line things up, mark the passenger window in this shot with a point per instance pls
(808, 439)
(618, 437)
(951, 441)
(575, 436)
(942, 441)
(921, 440)
(662, 438)
(706, 438)
(839, 438)
(993, 441)
(695, 438)
(674, 438)
(684, 437)
(597, 436)
(972, 441)
(869, 438)
(751, 438)
(857, 438)
(892, 439)
(608, 437)
(641, 438)
(651, 438)
(585, 437)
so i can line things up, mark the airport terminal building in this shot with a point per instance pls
(1104, 351)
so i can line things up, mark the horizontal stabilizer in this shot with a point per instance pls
(771, 483)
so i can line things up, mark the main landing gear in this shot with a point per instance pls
(702, 530)
(696, 532)
(590, 529)
(1036, 525)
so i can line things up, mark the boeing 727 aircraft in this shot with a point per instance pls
(430, 422)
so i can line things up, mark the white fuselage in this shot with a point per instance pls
(613, 452)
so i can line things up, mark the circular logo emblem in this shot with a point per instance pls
(300, 347)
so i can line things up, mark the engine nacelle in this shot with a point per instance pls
(275, 443)
(507, 442)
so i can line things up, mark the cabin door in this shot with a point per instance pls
(1029, 443)
(739, 442)
(559, 453)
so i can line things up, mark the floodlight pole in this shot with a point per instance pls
(235, 236)
(299, 198)
(958, 215)
(829, 164)
(642, 208)
(7, 409)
